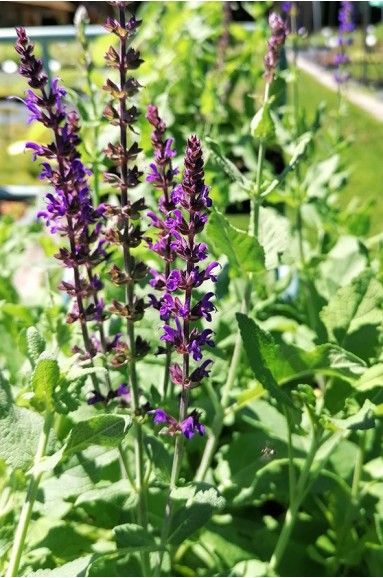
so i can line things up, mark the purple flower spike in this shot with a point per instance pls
(184, 221)
(279, 31)
(346, 27)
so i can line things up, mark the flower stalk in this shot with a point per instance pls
(26, 512)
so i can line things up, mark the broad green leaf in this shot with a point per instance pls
(119, 564)
(371, 378)
(133, 537)
(361, 420)
(36, 343)
(260, 349)
(159, 457)
(44, 379)
(108, 504)
(194, 514)
(242, 250)
(20, 430)
(262, 125)
(272, 236)
(76, 567)
(298, 153)
(250, 568)
(275, 365)
(246, 397)
(228, 166)
(354, 306)
(104, 430)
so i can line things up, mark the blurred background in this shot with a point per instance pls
(203, 68)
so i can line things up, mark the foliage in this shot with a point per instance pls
(289, 473)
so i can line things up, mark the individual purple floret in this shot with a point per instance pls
(346, 27)
(279, 31)
(188, 427)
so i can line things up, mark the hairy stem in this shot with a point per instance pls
(137, 429)
(26, 512)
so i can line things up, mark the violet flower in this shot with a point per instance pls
(69, 210)
(346, 27)
(161, 176)
(185, 222)
(279, 31)
(188, 427)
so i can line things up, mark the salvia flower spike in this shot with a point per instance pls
(346, 27)
(69, 210)
(185, 222)
(279, 31)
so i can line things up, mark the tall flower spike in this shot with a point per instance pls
(161, 176)
(126, 231)
(346, 27)
(69, 208)
(279, 32)
(185, 223)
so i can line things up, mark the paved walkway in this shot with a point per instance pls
(353, 93)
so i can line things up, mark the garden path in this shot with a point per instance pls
(353, 93)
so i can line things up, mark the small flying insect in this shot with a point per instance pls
(268, 453)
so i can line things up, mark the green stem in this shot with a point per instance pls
(354, 499)
(217, 425)
(256, 201)
(292, 479)
(26, 512)
(292, 512)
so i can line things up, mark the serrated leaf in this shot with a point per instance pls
(262, 125)
(45, 377)
(133, 536)
(354, 306)
(104, 430)
(242, 250)
(194, 514)
(159, 458)
(35, 343)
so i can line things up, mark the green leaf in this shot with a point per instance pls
(285, 363)
(262, 125)
(361, 420)
(250, 568)
(107, 504)
(194, 514)
(260, 349)
(298, 153)
(159, 457)
(44, 379)
(224, 163)
(104, 430)
(273, 236)
(133, 537)
(35, 343)
(242, 250)
(371, 378)
(76, 567)
(354, 306)
(20, 430)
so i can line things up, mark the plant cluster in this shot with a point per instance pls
(198, 399)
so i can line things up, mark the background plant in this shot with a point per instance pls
(303, 405)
